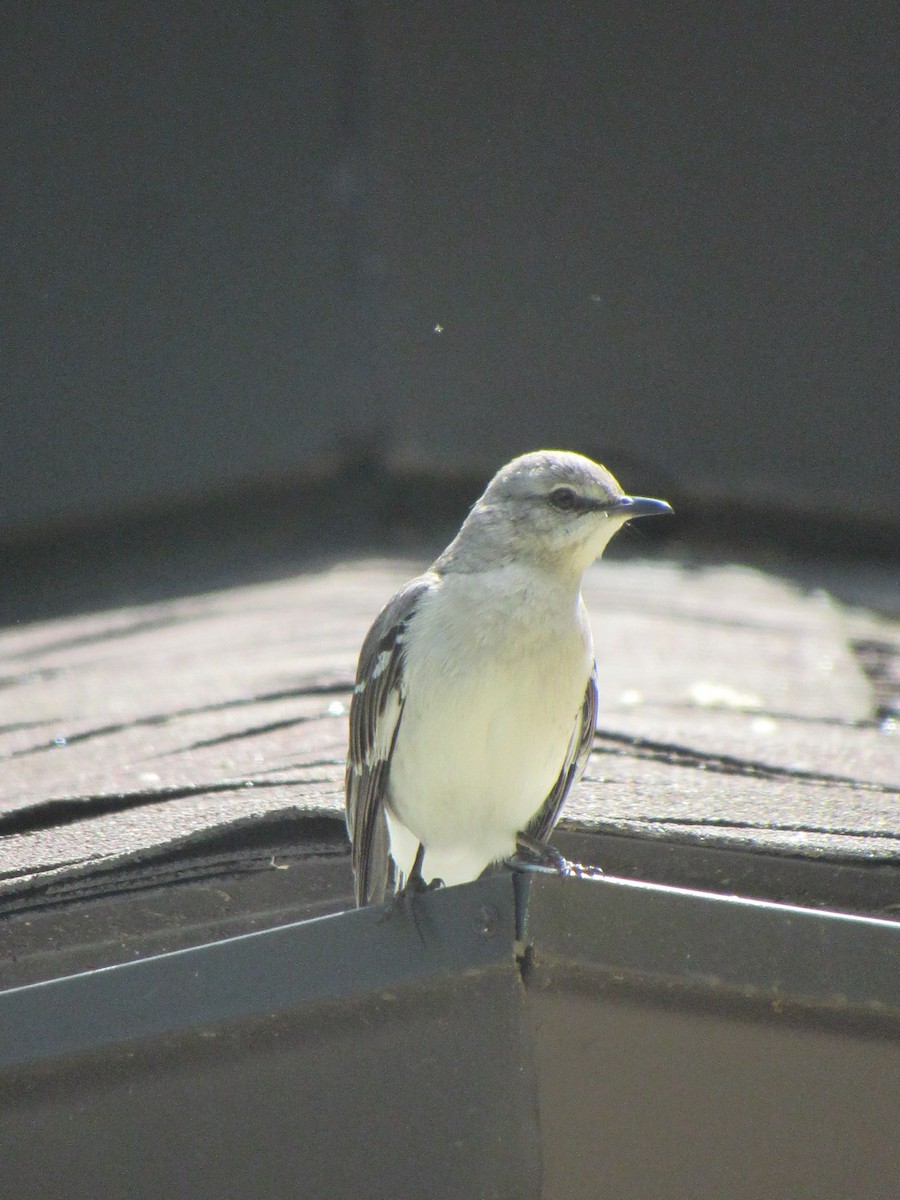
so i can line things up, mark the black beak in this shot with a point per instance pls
(640, 506)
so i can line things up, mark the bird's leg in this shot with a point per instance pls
(414, 882)
(534, 855)
(413, 885)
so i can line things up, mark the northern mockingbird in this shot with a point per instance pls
(475, 703)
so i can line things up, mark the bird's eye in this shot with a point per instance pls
(564, 498)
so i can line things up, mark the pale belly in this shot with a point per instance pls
(477, 753)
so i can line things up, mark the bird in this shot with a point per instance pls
(475, 701)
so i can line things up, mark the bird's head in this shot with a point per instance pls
(551, 507)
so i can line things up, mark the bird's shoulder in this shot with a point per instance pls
(389, 627)
(380, 686)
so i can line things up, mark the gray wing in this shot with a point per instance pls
(547, 815)
(375, 713)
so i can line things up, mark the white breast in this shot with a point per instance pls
(495, 673)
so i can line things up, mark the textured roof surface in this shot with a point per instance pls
(733, 707)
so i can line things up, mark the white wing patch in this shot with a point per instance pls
(385, 727)
(383, 659)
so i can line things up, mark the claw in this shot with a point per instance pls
(540, 858)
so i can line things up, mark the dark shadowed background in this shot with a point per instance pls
(283, 283)
(246, 244)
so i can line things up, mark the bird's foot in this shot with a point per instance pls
(416, 886)
(413, 886)
(541, 858)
